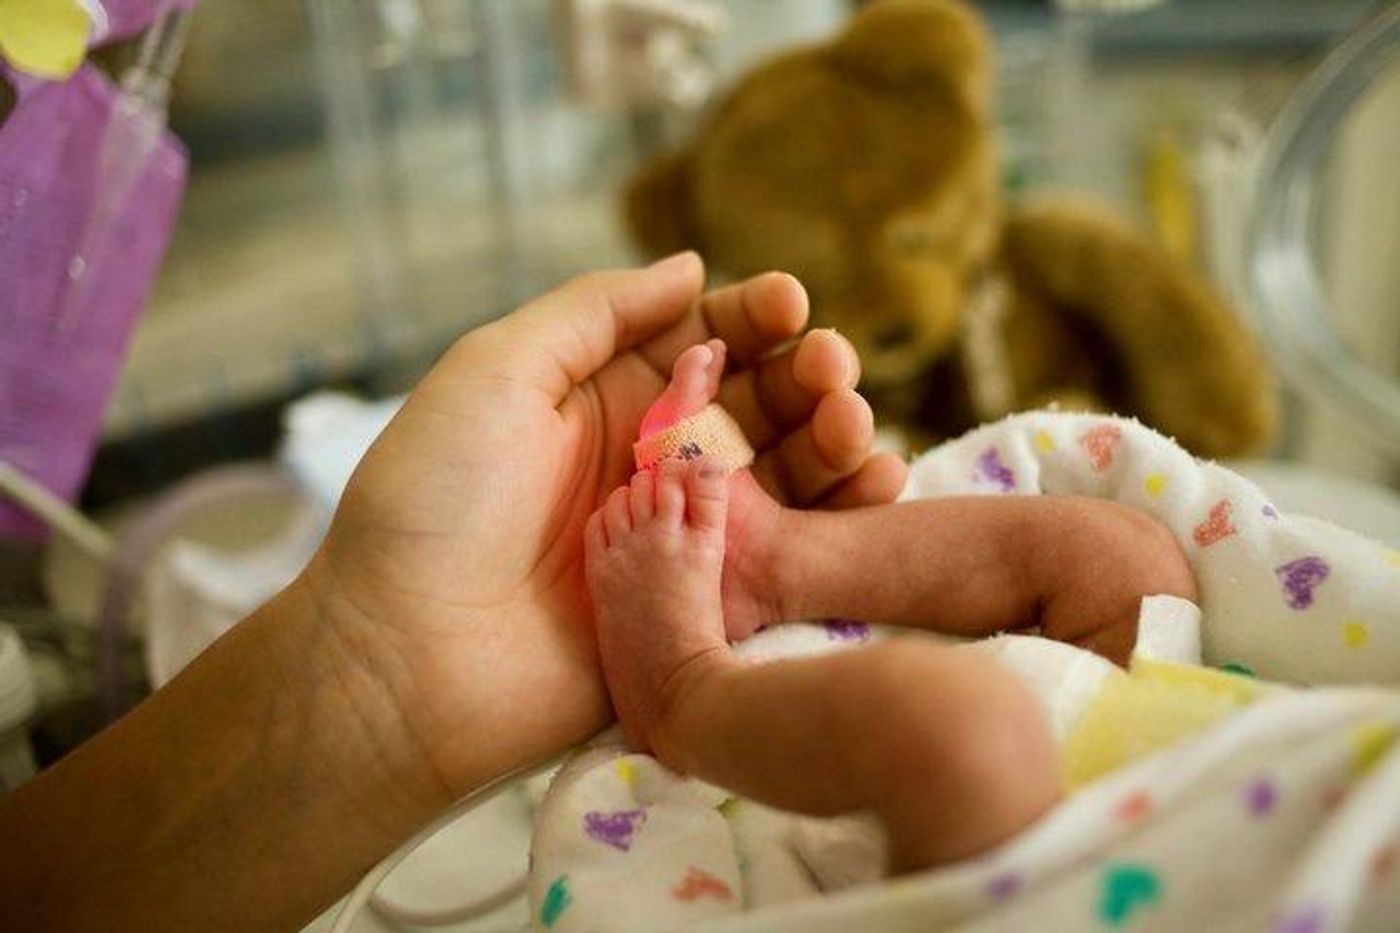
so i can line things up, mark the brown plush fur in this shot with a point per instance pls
(866, 166)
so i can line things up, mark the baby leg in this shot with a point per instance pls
(1077, 568)
(947, 748)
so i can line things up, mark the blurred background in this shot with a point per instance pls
(371, 178)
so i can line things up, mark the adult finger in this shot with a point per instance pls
(879, 480)
(812, 460)
(563, 337)
(779, 393)
(751, 317)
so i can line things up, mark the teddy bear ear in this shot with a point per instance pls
(657, 205)
(920, 42)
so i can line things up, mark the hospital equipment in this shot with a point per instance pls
(89, 185)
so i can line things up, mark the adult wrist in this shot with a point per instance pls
(348, 657)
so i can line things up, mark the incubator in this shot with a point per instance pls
(1319, 254)
(1312, 254)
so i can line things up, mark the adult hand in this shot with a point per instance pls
(454, 563)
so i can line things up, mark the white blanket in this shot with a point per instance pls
(1283, 817)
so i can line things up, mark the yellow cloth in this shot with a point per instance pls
(44, 38)
(1153, 705)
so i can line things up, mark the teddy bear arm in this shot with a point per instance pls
(1191, 368)
(657, 205)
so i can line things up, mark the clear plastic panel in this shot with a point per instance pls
(1322, 255)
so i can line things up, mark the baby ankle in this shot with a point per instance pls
(780, 559)
(680, 712)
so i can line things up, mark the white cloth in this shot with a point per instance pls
(1284, 816)
(1288, 597)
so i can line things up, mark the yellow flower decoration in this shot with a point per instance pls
(44, 38)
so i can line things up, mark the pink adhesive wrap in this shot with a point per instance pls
(711, 433)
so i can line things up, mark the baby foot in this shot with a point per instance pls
(694, 383)
(754, 520)
(654, 554)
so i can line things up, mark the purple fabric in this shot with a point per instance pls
(55, 378)
(22, 83)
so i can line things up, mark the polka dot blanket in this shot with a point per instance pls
(1280, 813)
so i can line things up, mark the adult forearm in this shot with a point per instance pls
(246, 795)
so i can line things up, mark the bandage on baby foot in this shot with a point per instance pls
(709, 433)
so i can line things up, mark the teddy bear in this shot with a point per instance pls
(867, 167)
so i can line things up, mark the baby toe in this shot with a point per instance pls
(688, 392)
(707, 494)
(670, 491)
(689, 371)
(617, 514)
(595, 538)
(643, 496)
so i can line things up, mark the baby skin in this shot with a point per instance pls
(946, 747)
